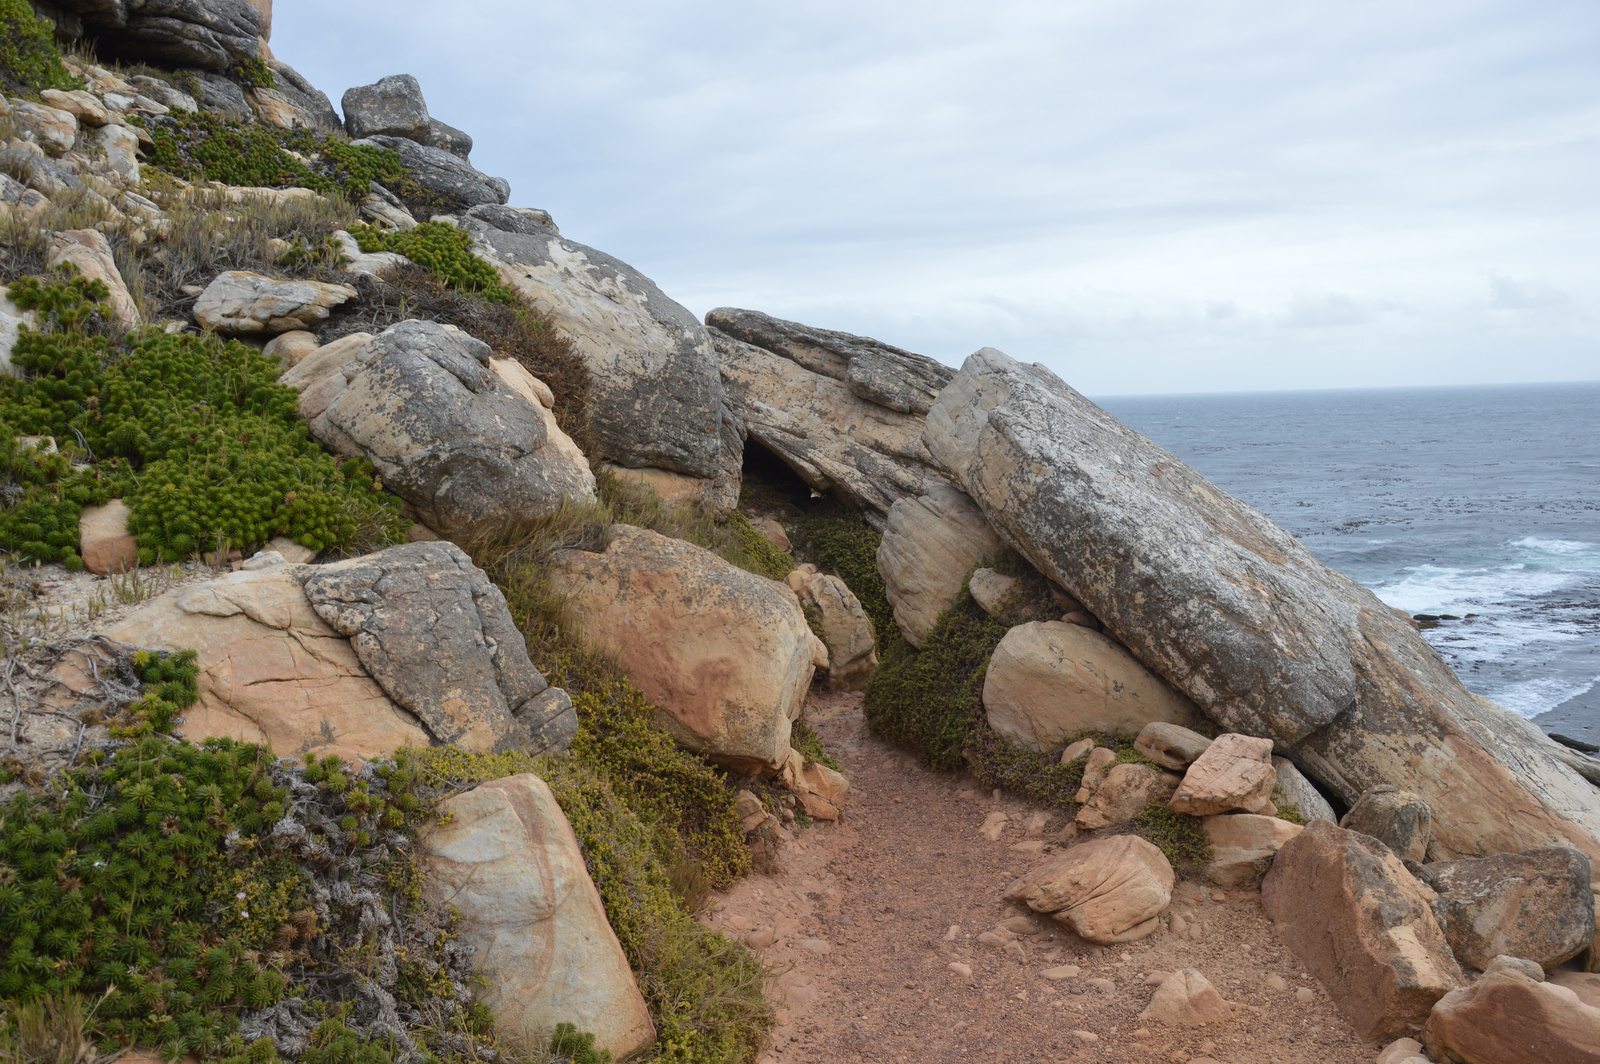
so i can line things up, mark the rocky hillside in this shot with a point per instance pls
(410, 615)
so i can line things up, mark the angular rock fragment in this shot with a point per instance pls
(1362, 925)
(1398, 819)
(1123, 794)
(1243, 847)
(104, 542)
(1294, 789)
(1234, 772)
(1108, 890)
(1170, 745)
(1004, 597)
(1187, 999)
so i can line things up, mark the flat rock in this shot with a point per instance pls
(1187, 999)
(1108, 890)
(1234, 612)
(1049, 680)
(658, 398)
(846, 629)
(1362, 925)
(1124, 793)
(1510, 1017)
(1235, 772)
(724, 655)
(1170, 745)
(426, 404)
(1536, 905)
(1398, 819)
(81, 105)
(436, 634)
(448, 184)
(867, 455)
(930, 543)
(1243, 847)
(104, 542)
(247, 303)
(505, 858)
(90, 252)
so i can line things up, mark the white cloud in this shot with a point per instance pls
(1138, 194)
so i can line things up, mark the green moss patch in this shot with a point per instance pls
(28, 55)
(442, 248)
(204, 146)
(839, 540)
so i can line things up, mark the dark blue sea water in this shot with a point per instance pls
(1480, 503)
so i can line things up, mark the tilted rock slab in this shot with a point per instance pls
(930, 543)
(1234, 772)
(1236, 613)
(1511, 1016)
(725, 656)
(1170, 745)
(450, 430)
(246, 303)
(1294, 789)
(436, 634)
(1049, 680)
(837, 442)
(1536, 905)
(90, 252)
(888, 376)
(1243, 846)
(449, 182)
(504, 856)
(1362, 925)
(1109, 890)
(657, 398)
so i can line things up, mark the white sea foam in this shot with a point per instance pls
(1533, 697)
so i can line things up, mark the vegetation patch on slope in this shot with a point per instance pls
(839, 540)
(204, 146)
(29, 58)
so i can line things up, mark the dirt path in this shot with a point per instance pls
(858, 931)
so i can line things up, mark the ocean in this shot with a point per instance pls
(1477, 506)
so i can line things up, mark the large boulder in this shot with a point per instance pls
(1109, 890)
(1512, 1016)
(451, 430)
(435, 657)
(1398, 819)
(245, 303)
(887, 376)
(504, 857)
(930, 543)
(1243, 846)
(724, 655)
(1348, 909)
(436, 634)
(393, 106)
(446, 183)
(1535, 905)
(1049, 680)
(310, 103)
(1236, 613)
(657, 397)
(211, 34)
(837, 442)
(846, 628)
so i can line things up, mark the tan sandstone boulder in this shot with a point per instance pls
(1187, 999)
(1108, 890)
(104, 541)
(725, 656)
(90, 252)
(846, 629)
(930, 544)
(1235, 772)
(1535, 905)
(1294, 789)
(1363, 925)
(1398, 819)
(1171, 745)
(1050, 680)
(1243, 846)
(1097, 763)
(55, 128)
(1512, 1016)
(238, 301)
(1125, 791)
(1584, 984)
(504, 856)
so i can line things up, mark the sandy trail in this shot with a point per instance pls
(856, 929)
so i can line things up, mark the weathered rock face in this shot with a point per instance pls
(1234, 772)
(1108, 890)
(1535, 905)
(1398, 819)
(55, 129)
(447, 433)
(1294, 789)
(1238, 615)
(104, 542)
(930, 543)
(310, 103)
(90, 252)
(1125, 791)
(1050, 680)
(391, 106)
(1510, 1017)
(1348, 909)
(838, 443)
(657, 395)
(1097, 763)
(1004, 597)
(211, 34)
(436, 634)
(1243, 846)
(449, 182)
(1187, 999)
(886, 376)
(846, 629)
(247, 303)
(1170, 745)
(505, 857)
(725, 656)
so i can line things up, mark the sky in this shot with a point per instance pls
(1146, 197)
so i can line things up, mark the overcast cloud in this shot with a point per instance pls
(1147, 197)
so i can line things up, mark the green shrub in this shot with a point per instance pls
(804, 738)
(28, 54)
(752, 551)
(196, 435)
(204, 146)
(1179, 836)
(253, 73)
(840, 541)
(442, 248)
(575, 1046)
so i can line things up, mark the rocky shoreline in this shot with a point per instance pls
(492, 587)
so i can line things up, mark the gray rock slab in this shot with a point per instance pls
(449, 184)
(391, 106)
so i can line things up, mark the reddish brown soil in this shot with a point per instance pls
(860, 914)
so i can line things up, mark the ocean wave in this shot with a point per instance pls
(1563, 547)
(1529, 698)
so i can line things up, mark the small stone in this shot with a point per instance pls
(1157, 977)
(952, 934)
(993, 825)
(1170, 745)
(293, 553)
(1035, 824)
(997, 938)
(1305, 993)
(1178, 924)
(290, 347)
(1276, 982)
(1094, 771)
(1014, 950)
(104, 541)
(1086, 1037)
(1081, 748)
(1028, 846)
(261, 559)
(1399, 1051)
(963, 970)
(760, 938)
(1187, 999)
(1105, 986)
(814, 945)
(1020, 925)
(1061, 973)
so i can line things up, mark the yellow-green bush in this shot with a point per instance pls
(442, 248)
(840, 541)
(28, 54)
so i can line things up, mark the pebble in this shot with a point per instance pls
(1020, 925)
(1086, 1037)
(814, 945)
(997, 938)
(1178, 924)
(963, 970)
(1156, 978)
(1305, 993)
(1276, 982)
(1105, 986)
(952, 934)
(1014, 950)
(1060, 973)
(760, 938)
